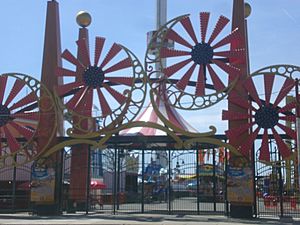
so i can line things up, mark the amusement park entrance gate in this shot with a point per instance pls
(158, 180)
(152, 181)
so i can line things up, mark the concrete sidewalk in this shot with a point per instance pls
(143, 219)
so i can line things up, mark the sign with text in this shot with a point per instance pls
(240, 184)
(42, 184)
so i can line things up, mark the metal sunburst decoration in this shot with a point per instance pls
(200, 67)
(267, 112)
(105, 90)
(22, 101)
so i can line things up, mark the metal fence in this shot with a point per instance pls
(152, 181)
(15, 187)
(277, 188)
(156, 181)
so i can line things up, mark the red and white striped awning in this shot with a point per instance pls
(149, 115)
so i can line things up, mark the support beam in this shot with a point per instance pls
(51, 60)
(241, 204)
(80, 156)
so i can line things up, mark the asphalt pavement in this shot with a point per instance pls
(143, 219)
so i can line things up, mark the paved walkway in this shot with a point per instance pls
(142, 219)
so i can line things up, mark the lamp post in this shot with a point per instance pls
(121, 155)
(177, 167)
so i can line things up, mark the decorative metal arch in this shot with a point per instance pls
(175, 128)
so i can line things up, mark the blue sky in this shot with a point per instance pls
(274, 28)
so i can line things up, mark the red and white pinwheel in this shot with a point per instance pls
(267, 114)
(97, 86)
(204, 59)
(18, 121)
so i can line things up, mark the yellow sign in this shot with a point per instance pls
(42, 185)
(240, 185)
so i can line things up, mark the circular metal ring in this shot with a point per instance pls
(201, 72)
(102, 95)
(24, 105)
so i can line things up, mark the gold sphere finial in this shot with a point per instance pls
(247, 9)
(83, 18)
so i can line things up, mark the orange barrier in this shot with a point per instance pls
(270, 201)
(293, 202)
